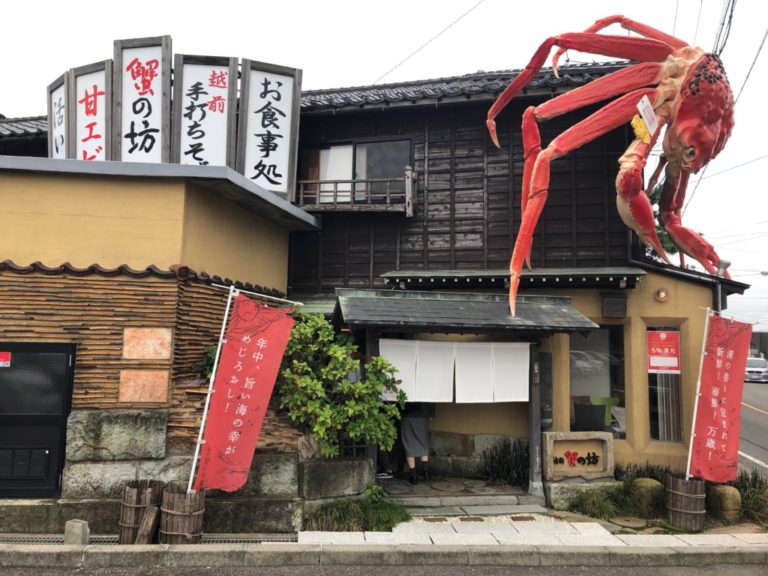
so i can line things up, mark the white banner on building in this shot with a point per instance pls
(58, 104)
(268, 127)
(92, 102)
(205, 102)
(142, 85)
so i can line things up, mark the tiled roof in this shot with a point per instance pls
(181, 272)
(16, 127)
(487, 84)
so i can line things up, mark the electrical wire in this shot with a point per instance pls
(427, 43)
(724, 30)
(698, 20)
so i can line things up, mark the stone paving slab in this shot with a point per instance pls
(752, 538)
(524, 538)
(503, 500)
(651, 540)
(509, 509)
(424, 528)
(483, 527)
(397, 538)
(331, 538)
(434, 510)
(588, 540)
(464, 539)
(590, 528)
(710, 540)
(545, 527)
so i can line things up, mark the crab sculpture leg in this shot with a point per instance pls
(627, 86)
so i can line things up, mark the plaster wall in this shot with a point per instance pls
(221, 238)
(90, 220)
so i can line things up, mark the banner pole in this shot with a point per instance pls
(232, 292)
(688, 474)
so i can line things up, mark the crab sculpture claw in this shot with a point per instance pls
(690, 97)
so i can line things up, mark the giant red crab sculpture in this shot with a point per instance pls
(689, 94)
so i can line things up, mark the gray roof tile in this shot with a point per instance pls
(16, 127)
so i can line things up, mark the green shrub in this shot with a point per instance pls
(507, 463)
(647, 470)
(317, 393)
(753, 486)
(594, 503)
(373, 512)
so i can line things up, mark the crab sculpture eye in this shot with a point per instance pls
(690, 152)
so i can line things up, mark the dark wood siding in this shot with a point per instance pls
(467, 208)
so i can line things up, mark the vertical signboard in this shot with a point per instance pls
(714, 451)
(268, 125)
(91, 101)
(142, 99)
(205, 102)
(663, 352)
(58, 104)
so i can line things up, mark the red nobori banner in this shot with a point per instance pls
(663, 352)
(251, 354)
(715, 442)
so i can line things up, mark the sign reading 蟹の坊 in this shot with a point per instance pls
(142, 109)
(120, 110)
(205, 102)
(268, 125)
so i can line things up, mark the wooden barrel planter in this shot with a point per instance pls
(181, 515)
(138, 497)
(686, 503)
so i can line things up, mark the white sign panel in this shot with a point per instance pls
(57, 107)
(204, 100)
(142, 104)
(91, 103)
(268, 130)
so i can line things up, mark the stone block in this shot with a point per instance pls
(116, 434)
(76, 532)
(138, 386)
(171, 469)
(137, 556)
(486, 441)
(560, 494)
(96, 479)
(33, 516)
(59, 556)
(354, 555)
(440, 465)
(332, 478)
(467, 466)
(194, 555)
(273, 474)
(555, 443)
(147, 343)
(430, 555)
(724, 503)
(451, 444)
(101, 514)
(282, 555)
(251, 515)
(504, 555)
(648, 494)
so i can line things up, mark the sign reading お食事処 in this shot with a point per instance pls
(205, 103)
(268, 125)
(143, 103)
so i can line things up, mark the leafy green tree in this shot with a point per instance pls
(322, 389)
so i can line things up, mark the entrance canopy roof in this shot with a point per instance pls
(451, 312)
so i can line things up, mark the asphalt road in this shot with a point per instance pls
(753, 447)
(731, 570)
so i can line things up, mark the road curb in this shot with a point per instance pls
(291, 554)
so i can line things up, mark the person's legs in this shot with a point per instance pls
(424, 460)
(411, 461)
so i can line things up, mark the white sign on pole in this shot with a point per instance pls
(269, 125)
(92, 101)
(205, 102)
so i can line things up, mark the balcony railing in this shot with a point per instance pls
(371, 195)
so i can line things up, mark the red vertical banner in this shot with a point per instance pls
(715, 443)
(250, 357)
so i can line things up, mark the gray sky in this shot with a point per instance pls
(354, 42)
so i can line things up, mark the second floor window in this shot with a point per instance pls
(362, 168)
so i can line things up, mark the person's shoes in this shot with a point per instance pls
(413, 478)
(426, 473)
(385, 474)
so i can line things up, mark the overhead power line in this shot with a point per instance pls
(427, 43)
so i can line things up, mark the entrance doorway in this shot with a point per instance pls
(36, 391)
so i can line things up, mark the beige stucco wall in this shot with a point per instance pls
(221, 238)
(685, 309)
(505, 419)
(90, 220)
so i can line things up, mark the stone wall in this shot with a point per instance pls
(461, 455)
